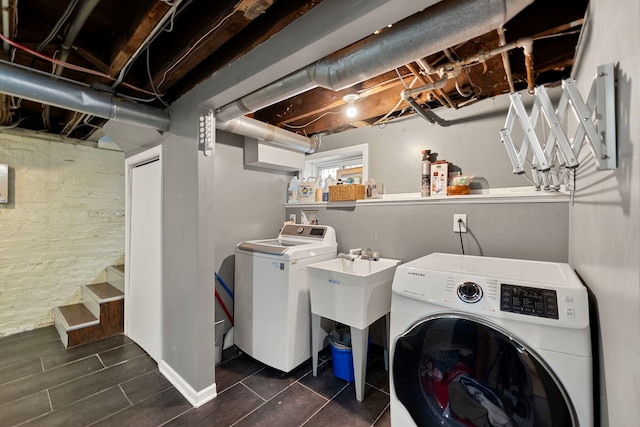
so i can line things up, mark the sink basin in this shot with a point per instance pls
(355, 293)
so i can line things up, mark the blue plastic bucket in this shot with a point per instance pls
(342, 362)
(342, 356)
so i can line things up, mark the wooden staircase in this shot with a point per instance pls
(100, 315)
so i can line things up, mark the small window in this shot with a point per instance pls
(342, 162)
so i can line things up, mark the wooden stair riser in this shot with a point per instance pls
(90, 302)
(111, 323)
(104, 302)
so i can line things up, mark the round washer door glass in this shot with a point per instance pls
(460, 371)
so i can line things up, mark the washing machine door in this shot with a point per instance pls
(459, 370)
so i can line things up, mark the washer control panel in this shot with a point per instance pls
(469, 292)
(528, 300)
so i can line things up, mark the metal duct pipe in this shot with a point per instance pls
(78, 22)
(268, 133)
(440, 26)
(46, 89)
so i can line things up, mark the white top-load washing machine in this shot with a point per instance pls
(272, 308)
(479, 341)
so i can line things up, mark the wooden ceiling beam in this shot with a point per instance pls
(278, 16)
(137, 37)
(208, 40)
(368, 108)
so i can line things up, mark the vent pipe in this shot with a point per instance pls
(44, 88)
(270, 134)
(438, 27)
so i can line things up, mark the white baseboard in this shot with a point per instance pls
(195, 398)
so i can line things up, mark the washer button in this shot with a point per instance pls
(570, 312)
(568, 298)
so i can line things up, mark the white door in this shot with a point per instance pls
(144, 297)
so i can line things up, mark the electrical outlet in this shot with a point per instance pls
(459, 223)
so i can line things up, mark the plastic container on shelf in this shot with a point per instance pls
(320, 184)
(307, 190)
(292, 191)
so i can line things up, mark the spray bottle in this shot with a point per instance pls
(425, 189)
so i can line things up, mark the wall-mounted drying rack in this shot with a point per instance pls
(553, 157)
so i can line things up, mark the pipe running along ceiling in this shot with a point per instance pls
(438, 29)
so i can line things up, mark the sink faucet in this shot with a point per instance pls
(347, 257)
(369, 254)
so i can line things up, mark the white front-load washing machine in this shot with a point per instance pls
(272, 309)
(480, 341)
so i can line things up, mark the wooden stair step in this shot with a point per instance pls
(75, 316)
(105, 292)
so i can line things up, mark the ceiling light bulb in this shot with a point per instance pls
(351, 110)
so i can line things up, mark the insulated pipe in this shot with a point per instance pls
(528, 61)
(440, 26)
(6, 27)
(408, 93)
(268, 133)
(505, 60)
(44, 88)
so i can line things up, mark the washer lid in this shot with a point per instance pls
(272, 246)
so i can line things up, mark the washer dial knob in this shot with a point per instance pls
(300, 230)
(469, 292)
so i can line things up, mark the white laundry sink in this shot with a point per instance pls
(355, 293)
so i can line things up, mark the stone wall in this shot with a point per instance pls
(63, 225)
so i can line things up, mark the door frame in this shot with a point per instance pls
(150, 155)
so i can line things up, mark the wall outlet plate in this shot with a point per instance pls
(462, 226)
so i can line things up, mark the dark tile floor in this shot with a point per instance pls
(113, 382)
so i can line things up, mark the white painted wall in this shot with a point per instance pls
(63, 226)
(604, 241)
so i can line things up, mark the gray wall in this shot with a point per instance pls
(187, 253)
(535, 231)
(604, 239)
(249, 206)
(473, 145)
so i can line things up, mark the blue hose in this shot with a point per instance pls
(224, 285)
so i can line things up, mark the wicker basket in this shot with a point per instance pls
(339, 193)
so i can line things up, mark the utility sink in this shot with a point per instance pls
(354, 293)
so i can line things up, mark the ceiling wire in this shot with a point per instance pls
(194, 45)
(326, 113)
(385, 119)
(67, 65)
(58, 25)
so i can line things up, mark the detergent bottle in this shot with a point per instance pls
(292, 191)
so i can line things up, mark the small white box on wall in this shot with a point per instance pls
(4, 183)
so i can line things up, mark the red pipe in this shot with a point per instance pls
(224, 307)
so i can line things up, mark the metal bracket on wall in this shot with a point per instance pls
(553, 156)
(206, 132)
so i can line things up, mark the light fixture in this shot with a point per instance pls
(351, 110)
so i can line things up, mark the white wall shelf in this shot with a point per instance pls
(487, 196)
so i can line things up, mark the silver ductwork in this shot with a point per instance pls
(438, 27)
(44, 88)
(270, 134)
